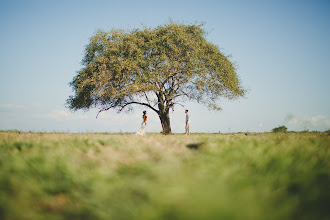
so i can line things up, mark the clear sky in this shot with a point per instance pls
(281, 48)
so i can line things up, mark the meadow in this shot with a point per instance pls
(203, 176)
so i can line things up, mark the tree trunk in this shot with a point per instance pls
(164, 115)
(165, 120)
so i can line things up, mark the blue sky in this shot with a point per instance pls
(281, 48)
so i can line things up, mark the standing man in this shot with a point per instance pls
(187, 122)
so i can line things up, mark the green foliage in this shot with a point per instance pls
(157, 68)
(327, 132)
(280, 129)
(112, 176)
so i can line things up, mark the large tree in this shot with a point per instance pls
(156, 68)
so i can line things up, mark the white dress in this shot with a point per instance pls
(142, 130)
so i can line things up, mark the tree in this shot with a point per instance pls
(157, 68)
(280, 129)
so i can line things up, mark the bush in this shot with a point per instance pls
(280, 129)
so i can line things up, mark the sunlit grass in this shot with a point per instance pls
(203, 176)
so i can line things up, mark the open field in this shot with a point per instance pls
(203, 176)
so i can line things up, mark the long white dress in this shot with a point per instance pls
(142, 130)
(187, 124)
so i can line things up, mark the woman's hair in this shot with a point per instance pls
(144, 112)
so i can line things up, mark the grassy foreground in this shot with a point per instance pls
(203, 176)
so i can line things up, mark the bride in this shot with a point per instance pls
(142, 129)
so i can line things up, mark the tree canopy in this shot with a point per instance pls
(157, 68)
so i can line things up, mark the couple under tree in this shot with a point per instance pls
(142, 129)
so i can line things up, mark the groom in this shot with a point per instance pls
(187, 122)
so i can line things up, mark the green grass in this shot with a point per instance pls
(203, 176)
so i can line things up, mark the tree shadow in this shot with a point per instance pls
(195, 146)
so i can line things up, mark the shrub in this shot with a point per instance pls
(280, 129)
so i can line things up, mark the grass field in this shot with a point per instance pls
(203, 176)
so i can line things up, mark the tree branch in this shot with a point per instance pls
(138, 103)
(169, 77)
(183, 94)
(147, 98)
(104, 109)
(126, 104)
(175, 103)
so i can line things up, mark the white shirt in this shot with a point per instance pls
(187, 118)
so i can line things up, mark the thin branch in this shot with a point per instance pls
(147, 98)
(184, 94)
(104, 109)
(169, 77)
(176, 103)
